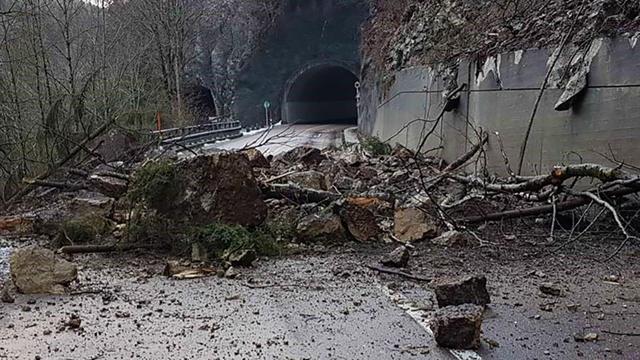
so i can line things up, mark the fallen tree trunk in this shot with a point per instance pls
(559, 175)
(81, 146)
(297, 193)
(548, 209)
(88, 249)
(58, 185)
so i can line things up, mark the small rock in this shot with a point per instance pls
(458, 327)
(548, 307)
(589, 337)
(397, 258)
(550, 289)
(6, 296)
(74, 322)
(174, 268)
(301, 155)
(452, 238)
(231, 273)
(257, 159)
(243, 258)
(573, 307)
(309, 179)
(463, 290)
(612, 278)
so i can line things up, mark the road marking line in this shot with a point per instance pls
(422, 317)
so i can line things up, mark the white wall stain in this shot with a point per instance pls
(492, 64)
(633, 41)
(518, 57)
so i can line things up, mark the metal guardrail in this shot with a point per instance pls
(214, 130)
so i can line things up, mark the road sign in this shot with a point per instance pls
(267, 104)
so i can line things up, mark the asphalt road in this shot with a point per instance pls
(282, 138)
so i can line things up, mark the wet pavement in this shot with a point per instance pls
(282, 138)
(323, 306)
(5, 253)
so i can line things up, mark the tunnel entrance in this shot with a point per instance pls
(322, 94)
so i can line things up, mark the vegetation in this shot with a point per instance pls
(156, 185)
(375, 146)
(220, 239)
(83, 230)
(71, 66)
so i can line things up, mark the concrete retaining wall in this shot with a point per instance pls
(603, 122)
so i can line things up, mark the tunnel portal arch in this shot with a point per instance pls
(321, 93)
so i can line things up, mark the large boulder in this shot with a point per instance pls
(413, 224)
(35, 270)
(458, 327)
(322, 227)
(397, 258)
(359, 216)
(219, 187)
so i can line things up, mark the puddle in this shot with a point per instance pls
(5, 252)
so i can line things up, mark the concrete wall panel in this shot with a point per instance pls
(604, 120)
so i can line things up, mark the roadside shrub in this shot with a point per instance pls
(157, 185)
(220, 239)
(375, 146)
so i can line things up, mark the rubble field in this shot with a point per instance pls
(364, 252)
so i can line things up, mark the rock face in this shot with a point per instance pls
(458, 327)
(463, 290)
(219, 187)
(412, 224)
(397, 258)
(322, 227)
(35, 270)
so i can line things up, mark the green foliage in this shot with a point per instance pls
(151, 229)
(157, 185)
(219, 239)
(375, 146)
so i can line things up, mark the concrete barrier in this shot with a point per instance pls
(602, 124)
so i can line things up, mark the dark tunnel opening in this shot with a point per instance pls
(322, 94)
(199, 99)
